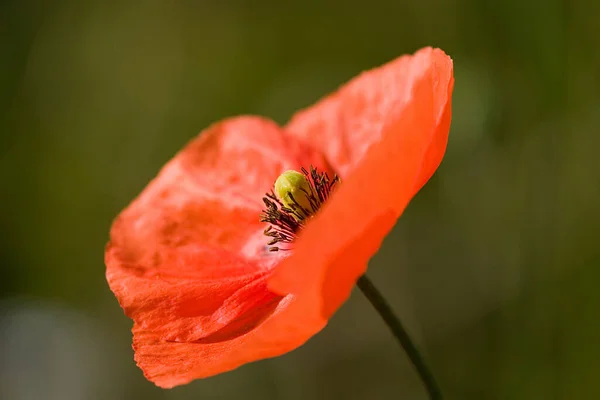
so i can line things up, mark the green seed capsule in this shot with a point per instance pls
(294, 191)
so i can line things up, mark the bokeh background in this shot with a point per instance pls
(494, 267)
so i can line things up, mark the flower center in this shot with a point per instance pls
(296, 197)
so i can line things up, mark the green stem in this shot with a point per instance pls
(394, 324)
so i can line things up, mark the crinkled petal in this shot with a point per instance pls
(386, 132)
(345, 124)
(169, 364)
(188, 263)
(211, 192)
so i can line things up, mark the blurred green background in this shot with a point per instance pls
(494, 267)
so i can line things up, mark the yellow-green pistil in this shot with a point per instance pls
(294, 191)
(296, 196)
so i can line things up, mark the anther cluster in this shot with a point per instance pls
(286, 220)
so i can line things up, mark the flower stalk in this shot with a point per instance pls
(393, 322)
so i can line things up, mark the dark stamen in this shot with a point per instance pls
(285, 221)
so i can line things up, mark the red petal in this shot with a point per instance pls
(188, 263)
(386, 132)
(346, 123)
(169, 364)
(187, 328)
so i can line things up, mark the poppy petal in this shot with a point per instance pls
(187, 328)
(170, 364)
(346, 123)
(211, 192)
(186, 264)
(388, 131)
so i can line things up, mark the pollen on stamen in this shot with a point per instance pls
(295, 199)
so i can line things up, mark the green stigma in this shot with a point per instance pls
(295, 192)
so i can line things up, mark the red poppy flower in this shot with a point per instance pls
(187, 259)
